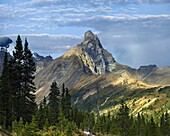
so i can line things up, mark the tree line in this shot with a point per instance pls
(55, 115)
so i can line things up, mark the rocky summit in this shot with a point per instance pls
(99, 60)
(87, 58)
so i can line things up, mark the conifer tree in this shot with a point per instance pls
(108, 123)
(67, 102)
(28, 87)
(165, 124)
(40, 116)
(114, 126)
(17, 66)
(43, 114)
(162, 124)
(139, 125)
(152, 128)
(33, 126)
(124, 120)
(5, 94)
(2, 116)
(63, 99)
(22, 70)
(54, 102)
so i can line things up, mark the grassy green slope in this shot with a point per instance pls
(139, 96)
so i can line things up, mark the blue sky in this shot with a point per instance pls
(136, 32)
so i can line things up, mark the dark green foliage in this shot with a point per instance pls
(5, 94)
(28, 87)
(63, 98)
(17, 67)
(77, 116)
(153, 128)
(67, 99)
(165, 124)
(54, 102)
(105, 125)
(123, 120)
(43, 114)
(140, 125)
(24, 67)
(22, 129)
(66, 102)
(17, 86)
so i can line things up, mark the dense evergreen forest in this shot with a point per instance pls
(55, 115)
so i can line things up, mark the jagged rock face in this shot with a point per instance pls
(41, 61)
(98, 59)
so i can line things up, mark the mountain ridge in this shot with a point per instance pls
(85, 61)
(87, 58)
(88, 66)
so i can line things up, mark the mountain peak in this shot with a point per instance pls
(91, 41)
(94, 56)
(89, 35)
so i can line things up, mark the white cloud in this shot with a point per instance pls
(93, 2)
(47, 44)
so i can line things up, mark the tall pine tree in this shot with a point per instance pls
(5, 94)
(123, 120)
(17, 66)
(67, 102)
(23, 68)
(28, 87)
(54, 102)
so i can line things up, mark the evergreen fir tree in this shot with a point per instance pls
(5, 94)
(162, 124)
(165, 124)
(114, 126)
(63, 99)
(19, 87)
(43, 114)
(140, 125)
(77, 116)
(152, 127)
(54, 102)
(67, 102)
(40, 116)
(33, 126)
(124, 120)
(2, 115)
(63, 91)
(17, 67)
(28, 87)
